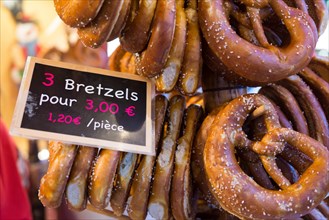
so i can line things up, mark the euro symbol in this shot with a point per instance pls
(130, 111)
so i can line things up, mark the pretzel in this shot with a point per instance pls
(53, 183)
(259, 64)
(159, 203)
(166, 81)
(181, 186)
(76, 188)
(319, 87)
(99, 29)
(287, 102)
(123, 182)
(121, 21)
(189, 78)
(136, 33)
(320, 65)
(239, 194)
(77, 14)
(140, 188)
(101, 179)
(316, 119)
(152, 60)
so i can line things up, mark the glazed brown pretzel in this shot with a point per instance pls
(166, 81)
(152, 60)
(136, 33)
(263, 64)
(100, 28)
(53, 183)
(239, 194)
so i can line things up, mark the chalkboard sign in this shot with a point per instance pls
(86, 106)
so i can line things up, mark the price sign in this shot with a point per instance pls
(84, 105)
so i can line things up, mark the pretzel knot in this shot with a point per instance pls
(241, 35)
(239, 194)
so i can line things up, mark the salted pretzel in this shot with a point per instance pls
(77, 185)
(102, 176)
(152, 60)
(242, 196)
(267, 63)
(140, 189)
(136, 33)
(53, 183)
(181, 191)
(121, 21)
(316, 119)
(77, 14)
(319, 87)
(99, 29)
(189, 78)
(166, 81)
(159, 203)
(123, 181)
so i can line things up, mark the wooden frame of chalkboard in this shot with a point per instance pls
(85, 106)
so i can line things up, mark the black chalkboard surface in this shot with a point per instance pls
(86, 106)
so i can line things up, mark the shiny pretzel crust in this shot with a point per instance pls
(239, 194)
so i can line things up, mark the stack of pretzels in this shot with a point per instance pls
(164, 36)
(255, 156)
(138, 184)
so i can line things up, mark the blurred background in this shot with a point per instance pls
(32, 28)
